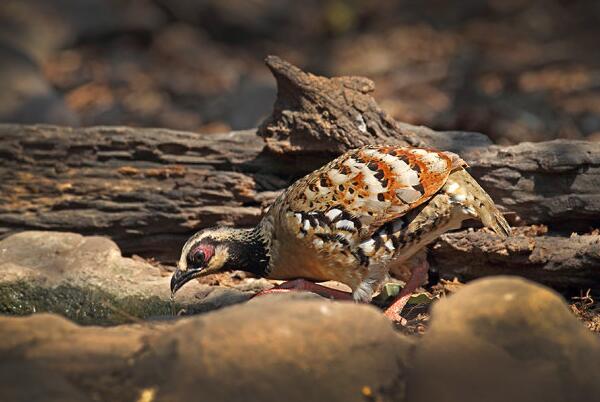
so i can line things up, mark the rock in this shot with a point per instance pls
(49, 386)
(505, 339)
(87, 280)
(279, 347)
(64, 360)
(274, 348)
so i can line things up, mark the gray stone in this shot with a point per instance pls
(87, 280)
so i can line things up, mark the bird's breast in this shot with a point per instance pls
(293, 257)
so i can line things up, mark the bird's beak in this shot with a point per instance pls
(181, 277)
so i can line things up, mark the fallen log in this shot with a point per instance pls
(149, 189)
(146, 189)
(564, 263)
(554, 182)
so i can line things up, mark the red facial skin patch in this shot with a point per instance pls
(207, 249)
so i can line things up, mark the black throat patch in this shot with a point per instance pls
(249, 254)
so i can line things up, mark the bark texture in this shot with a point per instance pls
(561, 262)
(553, 182)
(314, 114)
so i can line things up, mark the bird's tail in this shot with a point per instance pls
(479, 202)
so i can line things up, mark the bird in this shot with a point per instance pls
(361, 218)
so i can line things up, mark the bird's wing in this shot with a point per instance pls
(367, 187)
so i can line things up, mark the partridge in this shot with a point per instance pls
(356, 220)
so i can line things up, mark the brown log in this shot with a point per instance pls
(329, 116)
(149, 189)
(560, 262)
(554, 182)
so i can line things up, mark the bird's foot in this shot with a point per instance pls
(302, 285)
(417, 278)
(393, 311)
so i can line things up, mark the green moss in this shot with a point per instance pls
(83, 305)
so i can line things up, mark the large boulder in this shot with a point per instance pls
(505, 339)
(86, 279)
(275, 348)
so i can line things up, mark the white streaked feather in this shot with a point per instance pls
(336, 177)
(402, 171)
(333, 213)
(458, 198)
(345, 224)
(451, 186)
(368, 246)
(370, 180)
(434, 162)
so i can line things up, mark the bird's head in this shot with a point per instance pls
(216, 250)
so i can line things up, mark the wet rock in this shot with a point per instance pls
(87, 280)
(274, 348)
(505, 339)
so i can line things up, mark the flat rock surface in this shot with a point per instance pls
(87, 280)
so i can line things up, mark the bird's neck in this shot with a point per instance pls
(249, 251)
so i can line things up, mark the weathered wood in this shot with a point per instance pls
(320, 115)
(560, 262)
(554, 182)
(149, 189)
(146, 189)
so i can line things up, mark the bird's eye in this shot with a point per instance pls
(196, 258)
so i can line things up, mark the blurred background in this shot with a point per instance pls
(517, 70)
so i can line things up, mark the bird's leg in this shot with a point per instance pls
(307, 286)
(417, 278)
